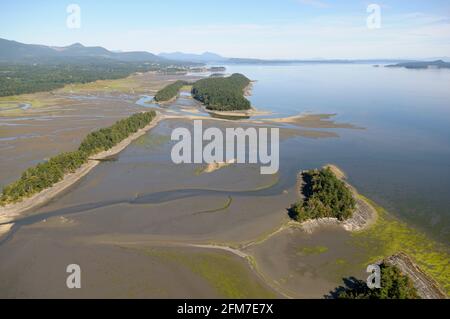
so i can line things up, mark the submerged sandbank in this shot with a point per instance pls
(313, 121)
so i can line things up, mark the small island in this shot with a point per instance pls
(439, 64)
(328, 199)
(223, 94)
(325, 196)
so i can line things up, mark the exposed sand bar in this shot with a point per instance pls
(10, 212)
(243, 113)
(212, 167)
(225, 248)
(313, 121)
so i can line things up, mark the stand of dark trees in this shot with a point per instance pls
(325, 196)
(30, 78)
(222, 94)
(394, 285)
(170, 91)
(46, 174)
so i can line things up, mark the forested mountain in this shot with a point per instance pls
(12, 51)
(28, 68)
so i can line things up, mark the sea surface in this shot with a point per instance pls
(401, 159)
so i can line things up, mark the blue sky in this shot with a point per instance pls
(245, 28)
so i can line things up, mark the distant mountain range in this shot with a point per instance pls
(16, 52)
(12, 51)
(209, 57)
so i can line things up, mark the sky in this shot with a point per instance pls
(272, 29)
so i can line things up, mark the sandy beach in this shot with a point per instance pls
(246, 113)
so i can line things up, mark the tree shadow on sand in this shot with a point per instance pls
(306, 192)
(292, 213)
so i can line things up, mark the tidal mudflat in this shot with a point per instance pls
(141, 226)
(142, 204)
(57, 121)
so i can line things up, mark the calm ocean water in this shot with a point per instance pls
(402, 158)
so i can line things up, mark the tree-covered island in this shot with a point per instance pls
(324, 196)
(222, 94)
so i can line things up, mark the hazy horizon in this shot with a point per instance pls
(229, 57)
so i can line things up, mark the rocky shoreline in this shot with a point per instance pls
(363, 217)
(426, 287)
